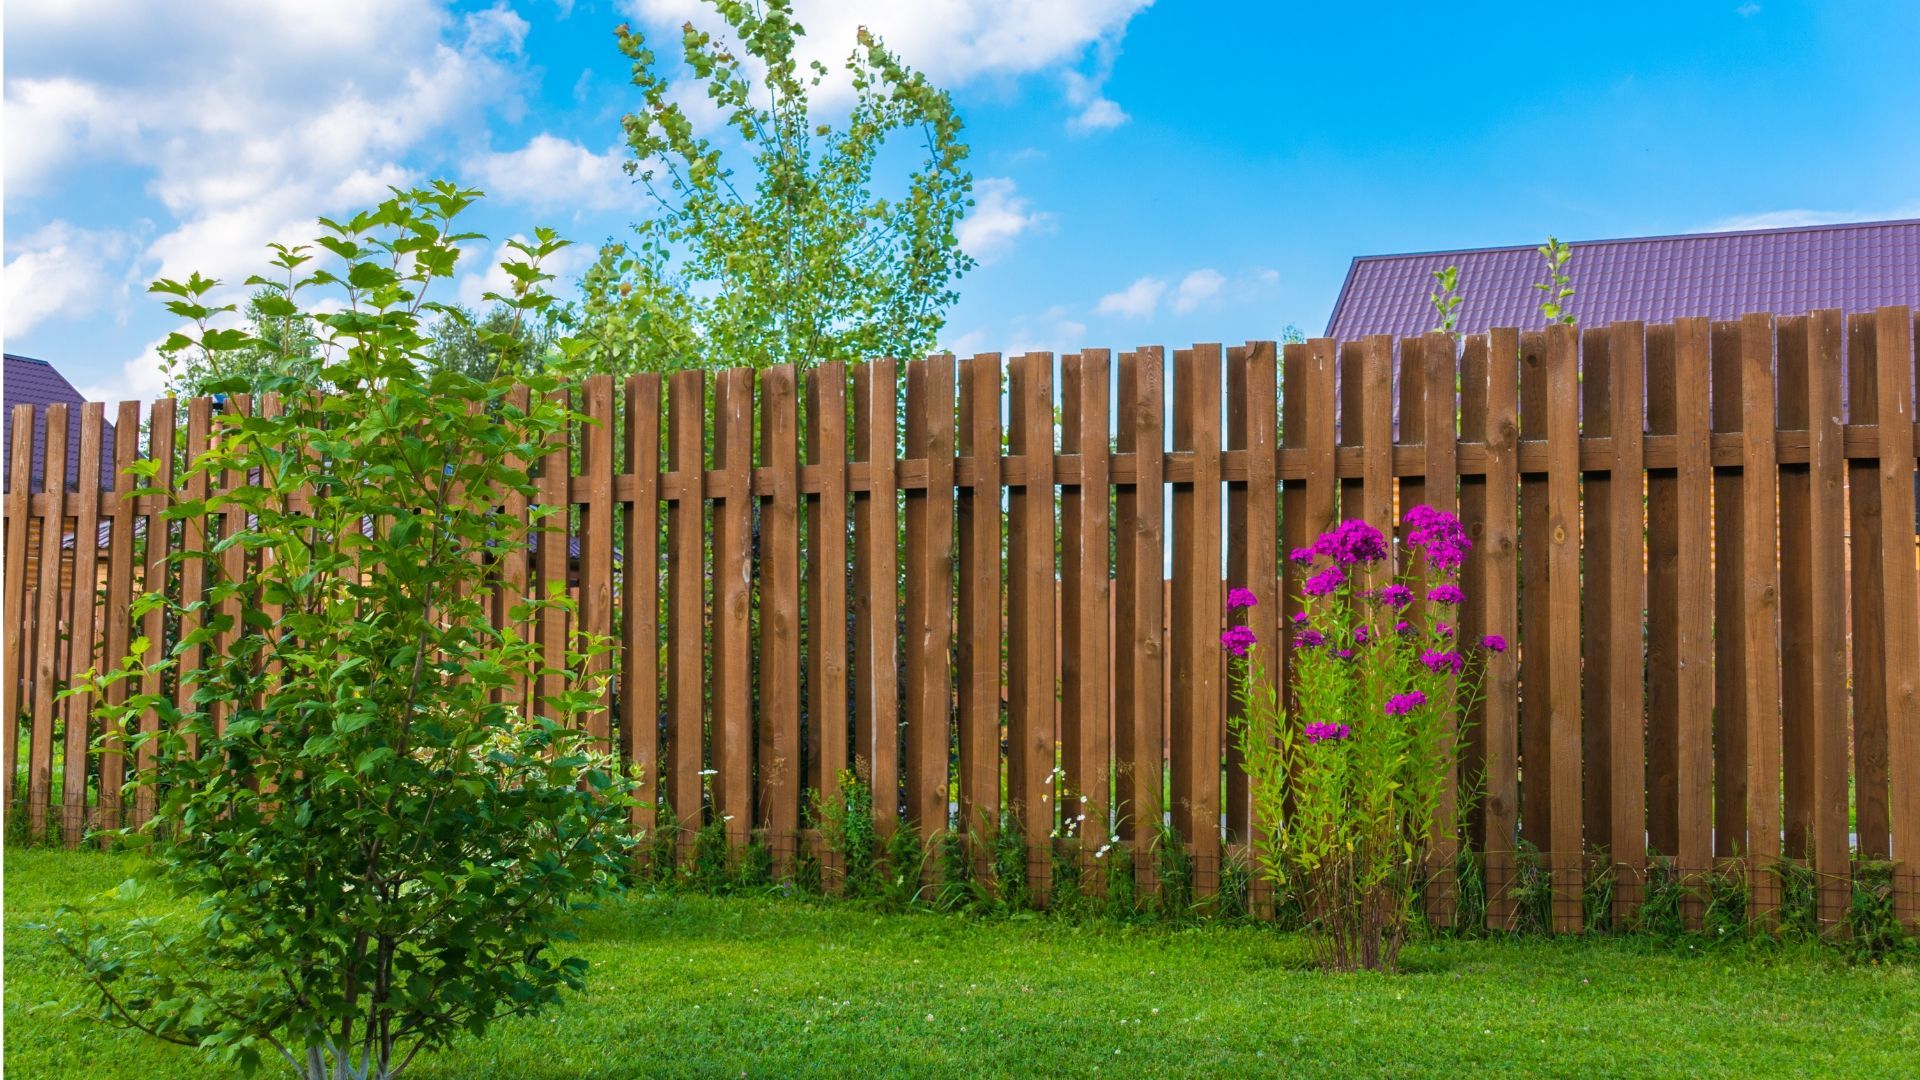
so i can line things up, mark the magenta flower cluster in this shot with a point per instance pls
(1238, 639)
(1494, 643)
(1395, 596)
(1326, 581)
(1309, 639)
(1319, 732)
(1437, 661)
(1241, 598)
(1402, 704)
(1439, 536)
(1447, 594)
(1351, 542)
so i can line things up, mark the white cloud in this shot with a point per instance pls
(1137, 301)
(249, 118)
(61, 270)
(550, 171)
(1789, 219)
(952, 41)
(999, 216)
(1087, 95)
(139, 379)
(1747, 10)
(1196, 289)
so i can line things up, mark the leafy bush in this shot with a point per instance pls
(386, 844)
(1349, 790)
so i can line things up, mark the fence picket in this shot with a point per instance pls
(1893, 342)
(1194, 744)
(977, 651)
(1625, 713)
(1441, 440)
(1693, 587)
(1563, 611)
(1138, 612)
(1536, 625)
(1498, 552)
(19, 530)
(83, 649)
(1730, 515)
(877, 610)
(1825, 522)
(1086, 704)
(731, 730)
(777, 752)
(1760, 595)
(827, 705)
(686, 601)
(639, 597)
(119, 601)
(929, 611)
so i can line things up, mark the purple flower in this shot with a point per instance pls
(1303, 556)
(1438, 661)
(1447, 594)
(1325, 582)
(1403, 627)
(1352, 542)
(1396, 596)
(1319, 732)
(1402, 704)
(1361, 635)
(1241, 598)
(1238, 639)
(1439, 537)
(1309, 639)
(1299, 618)
(1343, 654)
(1494, 643)
(1443, 630)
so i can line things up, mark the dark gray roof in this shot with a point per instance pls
(1853, 267)
(40, 384)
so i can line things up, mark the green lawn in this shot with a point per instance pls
(734, 987)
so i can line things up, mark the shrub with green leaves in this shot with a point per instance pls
(386, 843)
(1349, 788)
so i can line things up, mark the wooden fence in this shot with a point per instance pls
(1705, 556)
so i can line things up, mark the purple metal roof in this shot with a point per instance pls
(38, 383)
(1854, 267)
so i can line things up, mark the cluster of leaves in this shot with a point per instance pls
(1445, 298)
(1557, 289)
(385, 841)
(807, 261)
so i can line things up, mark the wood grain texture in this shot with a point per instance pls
(1194, 741)
(1499, 548)
(877, 604)
(1868, 626)
(730, 731)
(1138, 609)
(979, 605)
(1563, 610)
(1086, 715)
(640, 593)
(686, 605)
(929, 606)
(1826, 592)
(1730, 516)
(828, 706)
(1625, 704)
(776, 752)
(1893, 337)
(1693, 588)
(1760, 592)
(119, 601)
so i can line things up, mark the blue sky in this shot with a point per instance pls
(1164, 173)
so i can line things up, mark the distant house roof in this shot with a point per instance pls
(40, 384)
(1854, 267)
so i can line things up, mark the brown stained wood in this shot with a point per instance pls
(731, 729)
(1693, 588)
(597, 436)
(231, 564)
(83, 646)
(977, 651)
(1825, 525)
(929, 607)
(1535, 639)
(1086, 700)
(1139, 629)
(1798, 651)
(1376, 424)
(640, 594)
(1865, 602)
(1663, 599)
(1194, 744)
(19, 486)
(119, 601)
(1440, 436)
(876, 605)
(512, 594)
(194, 543)
(827, 702)
(554, 526)
(1893, 335)
(686, 606)
(1032, 751)
(47, 625)
(1252, 543)
(1351, 430)
(1729, 605)
(777, 755)
(1596, 617)
(1760, 592)
(1563, 610)
(1498, 552)
(160, 450)
(1473, 615)
(1625, 707)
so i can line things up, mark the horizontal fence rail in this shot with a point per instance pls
(993, 589)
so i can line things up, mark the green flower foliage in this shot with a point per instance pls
(387, 851)
(802, 259)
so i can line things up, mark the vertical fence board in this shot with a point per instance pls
(231, 563)
(1194, 753)
(47, 624)
(19, 503)
(876, 609)
(1597, 527)
(1031, 694)
(1625, 712)
(555, 529)
(1536, 627)
(596, 546)
(1866, 602)
(1729, 605)
(1376, 423)
(777, 753)
(1499, 552)
(686, 607)
(1694, 620)
(1663, 611)
(1085, 714)
(1254, 425)
(1797, 647)
(827, 579)
(1441, 436)
(930, 434)
(126, 448)
(160, 438)
(1563, 609)
(193, 570)
(731, 730)
(1825, 523)
(82, 646)
(1761, 596)
(1893, 339)
(640, 597)
(512, 592)
(978, 651)
(1138, 619)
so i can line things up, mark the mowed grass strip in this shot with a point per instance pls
(690, 986)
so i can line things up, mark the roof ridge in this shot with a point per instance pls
(1662, 238)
